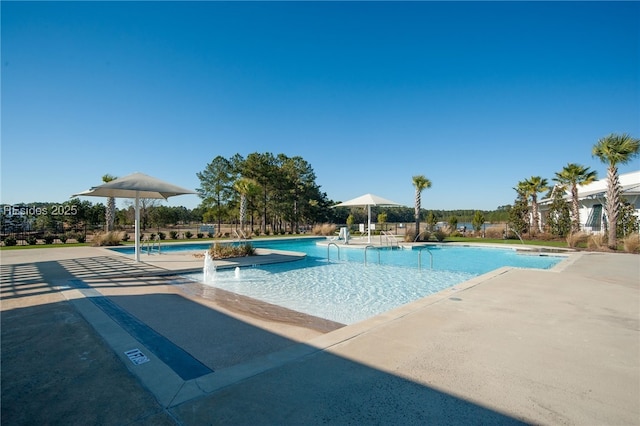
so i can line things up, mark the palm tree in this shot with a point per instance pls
(533, 186)
(573, 175)
(245, 187)
(613, 150)
(420, 183)
(110, 212)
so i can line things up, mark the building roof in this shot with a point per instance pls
(630, 183)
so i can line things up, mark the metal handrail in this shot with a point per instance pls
(150, 244)
(329, 246)
(420, 257)
(418, 236)
(390, 239)
(365, 253)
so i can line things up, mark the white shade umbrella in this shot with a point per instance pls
(367, 200)
(136, 186)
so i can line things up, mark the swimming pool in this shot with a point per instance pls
(347, 290)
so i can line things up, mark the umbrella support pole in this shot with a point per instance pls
(137, 225)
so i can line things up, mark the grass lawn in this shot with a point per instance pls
(468, 240)
(562, 244)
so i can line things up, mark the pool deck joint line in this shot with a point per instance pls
(180, 361)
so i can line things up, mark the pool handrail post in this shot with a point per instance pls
(420, 257)
(329, 246)
(365, 253)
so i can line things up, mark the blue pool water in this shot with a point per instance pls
(346, 290)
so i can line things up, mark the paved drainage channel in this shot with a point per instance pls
(181, 362)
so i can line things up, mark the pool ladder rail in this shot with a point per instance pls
(389, 240)
(377, 249)
(150, 244)
(328, 247)
(420, 257)
(365, 253)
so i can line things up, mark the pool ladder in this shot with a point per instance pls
(151, 244)
(389, 239)
(365, 253)
(420, 257)
(329, 246)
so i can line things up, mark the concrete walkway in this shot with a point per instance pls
(512, 346)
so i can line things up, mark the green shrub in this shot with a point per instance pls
(48, 238)
(63, 238)
(597, 241)
(424, 236)
(188, 235)
(81, 238)
(32, 240)
(577, 238)
(326, 229)
(439, 235)
(125, 237)
(223, 251)
(162, 235)
(210, 234)
(111, 238)
(173, 235)
(10, 241)
(200, 235)
(632, 243)
(495, 232)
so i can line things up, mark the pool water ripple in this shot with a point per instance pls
(344, 292)
(348, 290)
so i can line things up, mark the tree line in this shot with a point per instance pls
(91, 216)
(262, 193)
(277, 193)
(266, 193)
(270, 192)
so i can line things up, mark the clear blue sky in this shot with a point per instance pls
(475, 96)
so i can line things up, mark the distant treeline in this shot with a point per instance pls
(83, 214)
(406, 214)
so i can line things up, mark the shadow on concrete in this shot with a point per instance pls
(328, 389)
(33, 279)
(214, 338)
(57, 370)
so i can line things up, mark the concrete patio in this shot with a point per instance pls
(511, 346)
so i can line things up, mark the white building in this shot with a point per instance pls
(592, 201)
